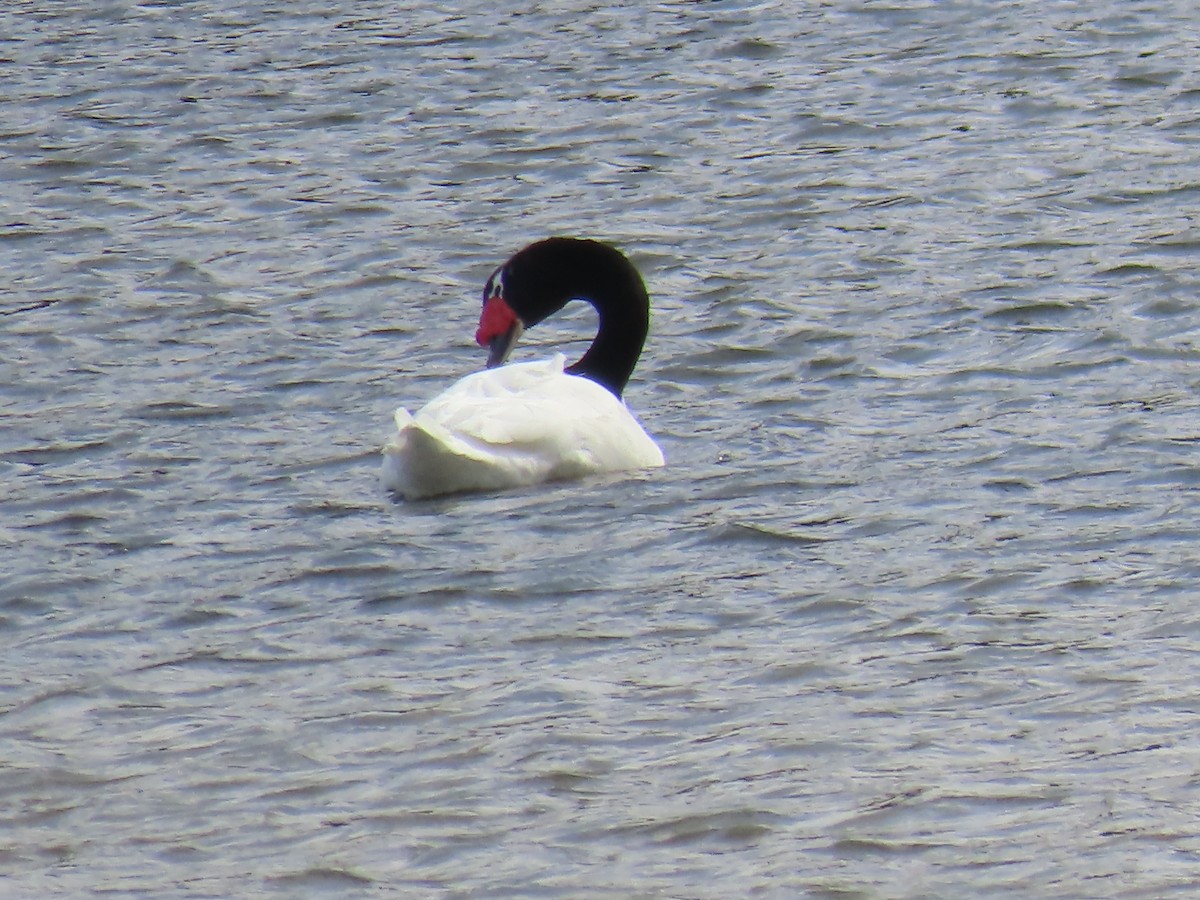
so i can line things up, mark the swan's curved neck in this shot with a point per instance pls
(546, 276)
(624, 322)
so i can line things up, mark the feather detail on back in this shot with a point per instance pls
(515, 425)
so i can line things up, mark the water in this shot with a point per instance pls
(910, 612)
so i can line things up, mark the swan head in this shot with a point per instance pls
(499, 326)
(541, 279)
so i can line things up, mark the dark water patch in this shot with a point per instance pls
(180, 410)
(199, 617)
(323, 879)
(1025, 313)
(57, 453)
(717, 828)
(419, 597)
(754, 48)
(1170, 244)
(755, 531)
(70, 523)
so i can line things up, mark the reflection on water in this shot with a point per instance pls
(909, 611)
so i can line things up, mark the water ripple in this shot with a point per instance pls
(913, 595)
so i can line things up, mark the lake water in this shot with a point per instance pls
(911, 611)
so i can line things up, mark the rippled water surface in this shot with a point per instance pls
(910, 612)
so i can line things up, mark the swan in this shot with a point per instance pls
(528, 423)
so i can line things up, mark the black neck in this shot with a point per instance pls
(569, 269)
(618, 344)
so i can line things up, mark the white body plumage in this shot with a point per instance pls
(515, 425)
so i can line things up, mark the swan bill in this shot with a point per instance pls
(501, 345)
(499, 329)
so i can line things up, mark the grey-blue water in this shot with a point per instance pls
(912, 611)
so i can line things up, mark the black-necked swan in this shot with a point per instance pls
(527, 423)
